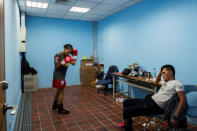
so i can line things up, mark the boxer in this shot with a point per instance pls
(62, 61)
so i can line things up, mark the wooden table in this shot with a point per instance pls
(139, 82)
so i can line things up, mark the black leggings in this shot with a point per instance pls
(139, 107)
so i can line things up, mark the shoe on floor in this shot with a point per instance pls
(61, 110)
(55, 105)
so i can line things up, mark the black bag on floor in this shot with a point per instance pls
(126, 71)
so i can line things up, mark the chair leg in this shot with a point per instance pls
(157, 128)
(147, 123)
(105, 90)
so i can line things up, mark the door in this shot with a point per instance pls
(2, 68)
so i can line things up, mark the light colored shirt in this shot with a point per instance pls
(167, 90)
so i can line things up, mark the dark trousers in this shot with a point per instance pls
(139, 107)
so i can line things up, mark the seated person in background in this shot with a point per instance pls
(157, 103)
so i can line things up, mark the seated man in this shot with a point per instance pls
(157, 103)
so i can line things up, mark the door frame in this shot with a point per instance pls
(2, 64)
(2, 42)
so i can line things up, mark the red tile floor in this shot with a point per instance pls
(89, 111)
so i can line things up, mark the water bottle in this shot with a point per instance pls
(154, 74)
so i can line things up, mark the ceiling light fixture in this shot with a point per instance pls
(79, 9)
(36, 4)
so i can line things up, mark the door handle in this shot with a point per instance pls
(6, 107)
(4, 84)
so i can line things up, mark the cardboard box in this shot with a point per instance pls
(85, 83)
(87, 75)
(92, 57)
(30, 83)
(93, 84)
(99, 68)
(87, 63)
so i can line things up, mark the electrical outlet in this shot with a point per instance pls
(10, 123)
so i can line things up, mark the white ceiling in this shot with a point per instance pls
(99, 9)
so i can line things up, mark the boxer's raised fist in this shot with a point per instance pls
(74, 53)
(67, 59)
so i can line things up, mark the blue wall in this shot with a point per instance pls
(153, 33)
(12, 57)
(46, 37)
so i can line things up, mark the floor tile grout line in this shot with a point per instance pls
(38, 113)
(105, 103)
(62, 119)
(50, 117)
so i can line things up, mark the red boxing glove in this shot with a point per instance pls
(67, 59)
(75, 53)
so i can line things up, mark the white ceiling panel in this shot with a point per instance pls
(44, 1)
(105, 7)
(115, 2)
(97, 1)
(34, 10)
(95, 11)
(36, 14)
(99, 9)
(71, 17)
(91, 15)
(54, 16)
(116, 9)
(87, 19)
(131, 3)
(64, 3)
(56, 12)
(74, 14)
(85, 4)
(59, 7)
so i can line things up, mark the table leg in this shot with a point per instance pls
(128, 90)
(155, 91)
(114, 87)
